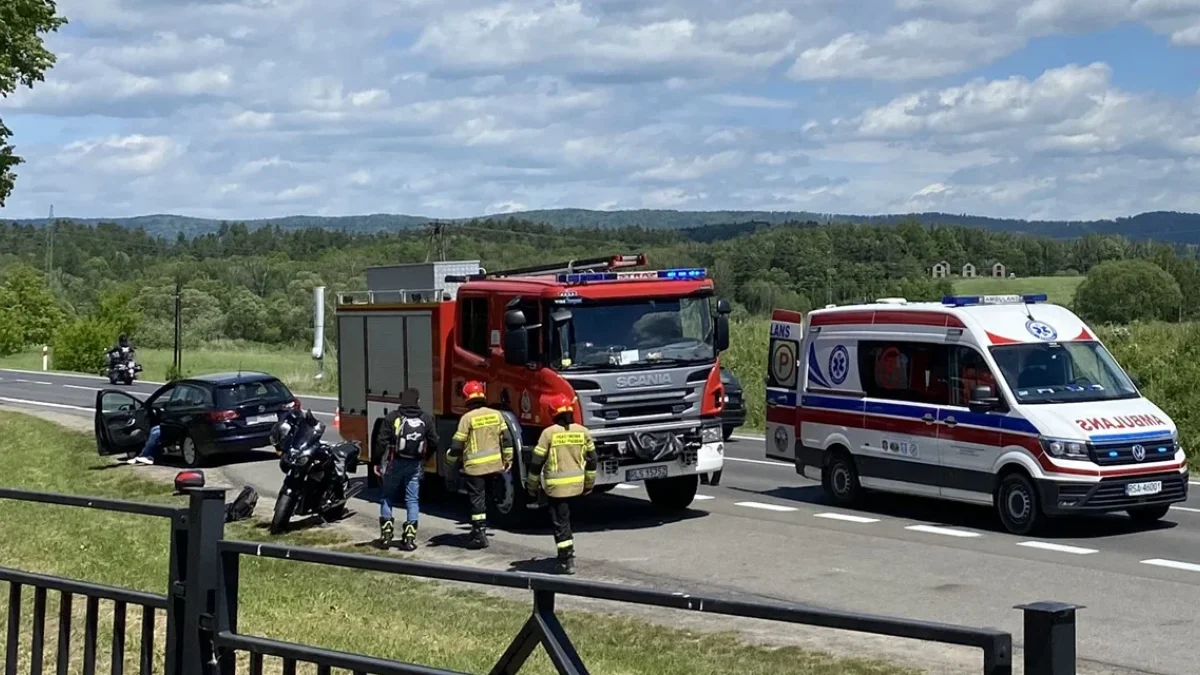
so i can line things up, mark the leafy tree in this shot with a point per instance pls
(24, 60)
(1122, 291)
(33, 308)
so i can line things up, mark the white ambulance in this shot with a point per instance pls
(999, 400)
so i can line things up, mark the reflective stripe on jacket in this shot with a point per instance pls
(564, 461)
(483, 435)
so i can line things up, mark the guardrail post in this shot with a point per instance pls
(1049, 638)
(205, 529)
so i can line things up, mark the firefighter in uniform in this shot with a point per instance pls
(485, 445)
(564, 465)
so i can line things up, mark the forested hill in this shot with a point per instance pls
(1164, 226)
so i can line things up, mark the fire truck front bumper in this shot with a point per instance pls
(708, 458)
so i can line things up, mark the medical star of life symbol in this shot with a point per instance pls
(839, 364)
(1041, 330)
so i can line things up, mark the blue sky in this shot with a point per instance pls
(1059, 109)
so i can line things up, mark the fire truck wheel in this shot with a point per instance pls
(507, 499)
(604, 489)
(675, 494)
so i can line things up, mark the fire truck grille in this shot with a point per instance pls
(608, 410)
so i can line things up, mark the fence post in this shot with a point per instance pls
(205, 529)
(1049, 638)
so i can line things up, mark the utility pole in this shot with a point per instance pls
(49, 244)
(178, 353)
(437, 241)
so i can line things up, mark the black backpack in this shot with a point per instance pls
(242, 507)
(410, 437)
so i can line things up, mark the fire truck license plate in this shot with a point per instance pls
(1143, 489)
(646, 473)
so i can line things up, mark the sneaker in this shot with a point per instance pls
(387, 531)
(143, 461)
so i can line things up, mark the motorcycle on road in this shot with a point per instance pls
(315, 474)
(122, 368)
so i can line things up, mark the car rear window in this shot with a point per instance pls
(265, 391)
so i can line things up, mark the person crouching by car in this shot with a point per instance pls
(408, 438)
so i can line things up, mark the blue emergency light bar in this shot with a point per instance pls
(672, 275)
(969, 300)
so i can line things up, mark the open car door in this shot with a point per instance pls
(122, 424)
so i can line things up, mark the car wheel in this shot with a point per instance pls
(1017, 504)
(840, 479)
(190, 454)
(1149, 514)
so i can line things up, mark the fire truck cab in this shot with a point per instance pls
(637, 349)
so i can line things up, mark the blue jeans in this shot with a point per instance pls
(152, 443)
(406, 473)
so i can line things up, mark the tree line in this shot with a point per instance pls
(255, 284)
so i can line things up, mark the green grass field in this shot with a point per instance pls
(1059, 290)
(382, 615)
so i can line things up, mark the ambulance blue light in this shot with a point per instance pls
(969, 300)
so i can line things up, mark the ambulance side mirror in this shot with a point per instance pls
(983, 399)
(721, 334)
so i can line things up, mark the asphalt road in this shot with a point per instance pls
(768, 533)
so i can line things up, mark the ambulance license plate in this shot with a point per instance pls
(1143, 489)
(646, 473)
(262, 419)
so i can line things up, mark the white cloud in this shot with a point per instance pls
(252, 108)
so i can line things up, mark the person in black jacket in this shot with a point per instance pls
(408, 438)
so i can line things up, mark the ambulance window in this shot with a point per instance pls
(473, 325)
(968, 370)
(904, 371)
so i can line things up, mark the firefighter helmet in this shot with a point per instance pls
(473, 390)
(561, 403)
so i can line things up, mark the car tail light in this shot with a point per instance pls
(223, 415)
(293, 404)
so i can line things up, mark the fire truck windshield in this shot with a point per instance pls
(638, 333)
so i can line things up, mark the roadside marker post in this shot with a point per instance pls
(45, 358)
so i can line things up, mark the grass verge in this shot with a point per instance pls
(382, 615)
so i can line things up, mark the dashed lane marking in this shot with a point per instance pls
(766, 507)
(1188, 509)
(781, 465)
(703, 498)
(1060, 548)
(47, 384)
(846, 517)
(947, 531)
(1173, 564)
(628, 486)
(76, 386)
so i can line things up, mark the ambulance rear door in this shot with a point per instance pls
(783, 384)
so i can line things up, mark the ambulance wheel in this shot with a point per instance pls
(840, 479)
(673, 494)
(1017, 504)
(1149, 514)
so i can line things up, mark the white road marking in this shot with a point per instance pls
(21, 401)
(628, 486)
(760, 461)
(1194, 482)
(1061, 548)
(76, 386)
(846, 517)
(59, 373)
(1185, 508)
(766, 507)
(949, 532)
(1173, 564)
(704, 498)
(34, 382)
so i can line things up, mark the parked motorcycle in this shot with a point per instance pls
(122, 368)
(315, 474)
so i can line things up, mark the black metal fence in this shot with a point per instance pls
(201, 609)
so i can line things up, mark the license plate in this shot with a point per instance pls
(645, 473)
(1143, 489)
(262, 419)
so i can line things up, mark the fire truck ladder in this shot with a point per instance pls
(605, 263)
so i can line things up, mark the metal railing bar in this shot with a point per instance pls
(147, 648)
(118, 638)
(98, 503)
(38, 645)
(64, 633)
(83, 588)
(256, 663)
(91, 622)
(329, 657)
(789, 613)
(14, 628)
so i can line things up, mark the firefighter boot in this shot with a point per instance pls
(479, 535)
(387, 530)
(408, 541)
(566, 560)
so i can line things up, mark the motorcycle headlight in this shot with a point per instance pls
(710, 435)
(1065, 449)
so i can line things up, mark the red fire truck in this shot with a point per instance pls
(638, 350)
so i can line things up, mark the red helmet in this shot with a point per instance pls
(560, 403)
(473, 390)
